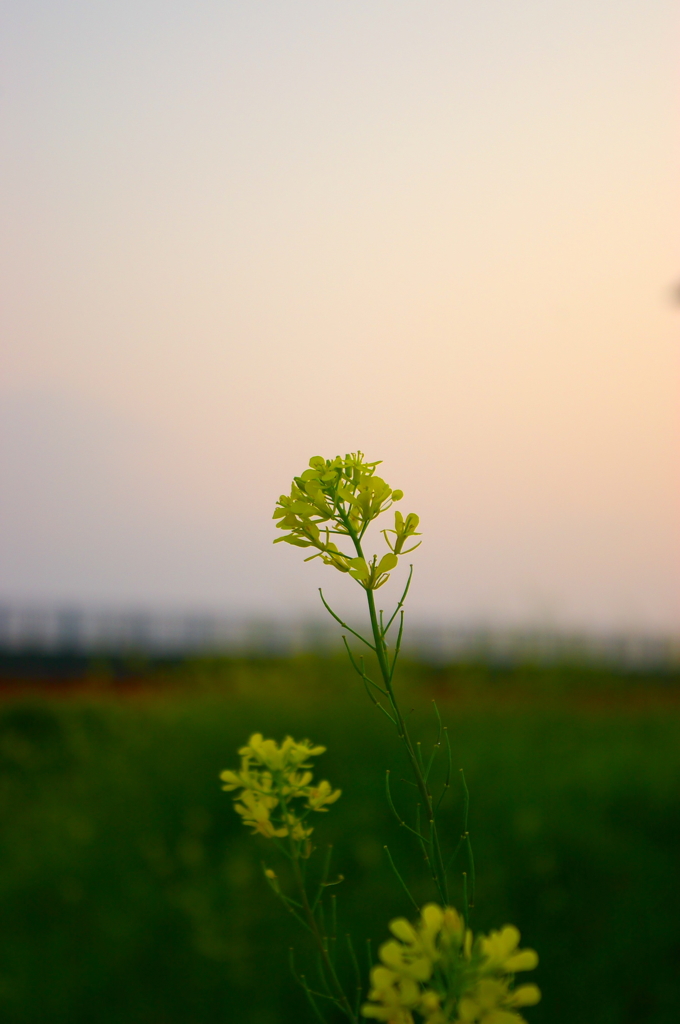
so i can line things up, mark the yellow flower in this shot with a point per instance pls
(342, 497)
(272, 777)
(297, 829)
(408, 961)
(322, 794)
(525, 995)
(256, 813)
(288, 755)
(484, 1004)
(422, 946)
(372, 575)
(232, 780)
(455, 980)
(393, 997)
(500, 950)
(491, 1002)
(403, 529)
(411, 957)
(430, 1008)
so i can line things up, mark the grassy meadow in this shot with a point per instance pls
(130, 893)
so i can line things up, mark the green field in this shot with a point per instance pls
(131, 894)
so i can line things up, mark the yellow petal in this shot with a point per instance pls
(525, 960)
(403, 929)
(525, 995)
(432, 916)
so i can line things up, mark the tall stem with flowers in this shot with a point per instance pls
(434, 971)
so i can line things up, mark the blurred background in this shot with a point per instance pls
(238, 235)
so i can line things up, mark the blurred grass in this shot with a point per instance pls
(129, 891)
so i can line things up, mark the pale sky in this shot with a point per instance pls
(237, 234)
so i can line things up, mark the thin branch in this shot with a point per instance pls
(435, 751)
(357, 972)
(288, 903)
(466, 801)
(471, 865)
(422, 841)
(343, 624)
(397, 647)
(359, 669)
(452, 858)
(439, 720)
(438, 870)
(401, 880)
(396, 812)
(466, 904)
(302, 982)
(324, 876)
(324, 982)
(317, 932)
(298, 978)
(400, 601)
(419, 751)
(378, 704)
(447, 783)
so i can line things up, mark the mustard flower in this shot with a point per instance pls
(394, 997)
(322, 794)
(403, 529)
(435, 970)
(341, 497)
(501, 953)
(277, 790)
(492, 1002)
(255, 811)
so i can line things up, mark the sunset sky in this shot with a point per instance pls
(238, 234)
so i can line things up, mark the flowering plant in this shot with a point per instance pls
(272, 778)
(436, 969)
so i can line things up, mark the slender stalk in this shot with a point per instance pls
(369, 955)
(386, 672)
(324, 876)
(312, 924)
(319, 940)
(343, 624)
(396, 812)
(400, 602)
(471, 867)
(357, 972)
(401, 880)
(466, 904)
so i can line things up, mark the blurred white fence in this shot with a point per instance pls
(62, 629)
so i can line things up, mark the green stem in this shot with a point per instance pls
(312, 924)
(318, 938)
(401, 880)
(439, 875)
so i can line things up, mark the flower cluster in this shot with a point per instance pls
(276, 788)
(436, 970)
(342, 497)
